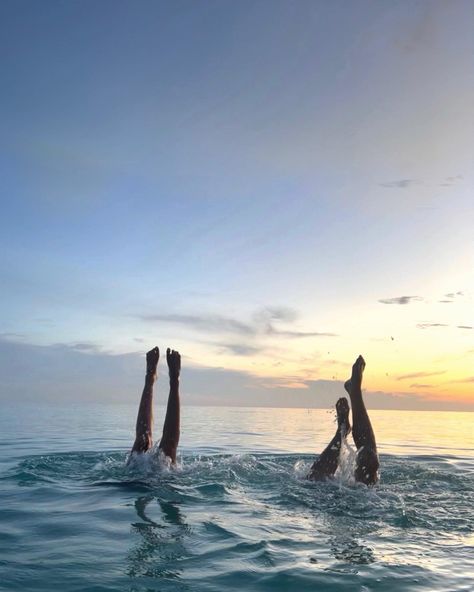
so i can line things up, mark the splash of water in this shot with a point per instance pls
(347, 463)
(151, 461)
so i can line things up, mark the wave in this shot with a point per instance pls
(218, 521)
(408, 485)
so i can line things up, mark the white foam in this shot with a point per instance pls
(151, 461)
(347, 463)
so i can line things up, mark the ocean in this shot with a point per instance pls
(237, 512)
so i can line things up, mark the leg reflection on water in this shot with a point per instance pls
(346, 549)
(161, 540)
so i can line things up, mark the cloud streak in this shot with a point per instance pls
(263, 324)
(297, 334)
(84, 347)
(240, 349)
(400, 300)
(467, 380)
(430, 325)
(420, 375)
(204, 323)
(63, 373)
(400, 183)
(450, 181)
(275, 313)
(454, 294)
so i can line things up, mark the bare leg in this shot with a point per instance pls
(362, 432)
(327, 462)
(170, 437)
(144, 427)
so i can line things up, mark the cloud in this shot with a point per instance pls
(45, 321)
(284, 383)
(205, 323)
(420, 375)
(400, 183)
(428, 325)
(417, 385)
(462, 380)
(450, 181)
(12, 336)
(62, 373)
(241, 349)
(297, 334)
(464, 327)
(266, 318)
(263, 323)
(85, 347)
(415, 401)
(454, 294)
(451, 296)
(275, 313)
(400, 300)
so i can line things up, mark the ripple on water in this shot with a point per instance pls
(228, 521)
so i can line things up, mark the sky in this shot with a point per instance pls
(270, 187)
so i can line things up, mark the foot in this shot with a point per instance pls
(357, 372)
(348, 386)
(342, 409)
(174, 363)
(152, 358)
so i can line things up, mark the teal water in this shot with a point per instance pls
(237, 513)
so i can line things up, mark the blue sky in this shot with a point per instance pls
(245, 181)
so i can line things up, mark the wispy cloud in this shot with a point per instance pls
(400, 183)
(451, 297)
(450, 181)
(464, 327)
(454, 294)
(418, 385)
(85, 347)
(14, 336)
(275, 313)
(266, 318)
(420, 375)
(263, 323)
(205, 323)
(405, 183)
(297, 334)
(400, 300)
(60, 373)
(284, 383)
(240, 349)
(429, 325)
(466, 380)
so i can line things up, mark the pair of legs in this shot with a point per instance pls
(144, 428)
(362, 432)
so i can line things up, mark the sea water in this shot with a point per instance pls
(237, 513)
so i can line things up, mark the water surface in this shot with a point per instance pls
(237, 513)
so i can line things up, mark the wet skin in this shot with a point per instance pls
(367, 458)
(171, 427)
